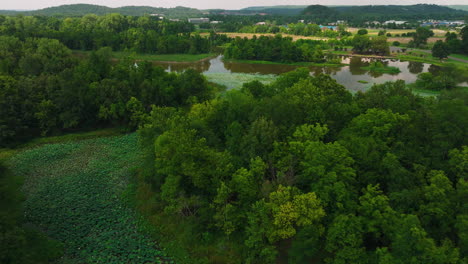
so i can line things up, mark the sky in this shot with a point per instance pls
(210, 4)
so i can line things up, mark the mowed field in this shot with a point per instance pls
(250, 35)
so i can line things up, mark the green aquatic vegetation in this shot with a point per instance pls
(74, 192)
(379, 67)
(236, 80)
(362, 81)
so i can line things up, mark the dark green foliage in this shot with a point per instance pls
(440, 50)
(362, 44)
(464, 43)
(428, 81)
(145, 34)
(374, 168)
(276, 48)
(362, 31)
(319, 11)
(421, 36)
(20, 245)
(44, 90)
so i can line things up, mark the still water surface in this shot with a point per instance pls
(347, 75)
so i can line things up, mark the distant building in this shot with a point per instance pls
(434, 23)
(260, 24)
(301, 21)
(396, 22)
(334, 28)
(216, 22)
(199, 20)
(174, 19)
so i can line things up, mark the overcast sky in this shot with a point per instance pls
(208, 4)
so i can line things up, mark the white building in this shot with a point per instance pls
(200, 20)
(396, 22)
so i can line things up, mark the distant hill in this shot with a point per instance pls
(401, 11)
(278, 10)
(319, 11)
(459, 7)
(83, 9)
(384, 11)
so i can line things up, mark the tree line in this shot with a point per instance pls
(144, 34)
(45, 90)
(276, 49)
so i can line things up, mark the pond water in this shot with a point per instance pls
(352, 76)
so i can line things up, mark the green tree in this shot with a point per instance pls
(421, 36)
(379, 45)
(440, 50)
(361, 44)
(345, 240)
(362, 31)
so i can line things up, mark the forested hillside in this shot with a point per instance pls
(84, 9)
(384, 12)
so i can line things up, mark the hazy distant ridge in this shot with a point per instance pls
(83, 9)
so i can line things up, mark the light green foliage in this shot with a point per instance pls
(279, 217)
(138, 117)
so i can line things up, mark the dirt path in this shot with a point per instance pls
(75, 192)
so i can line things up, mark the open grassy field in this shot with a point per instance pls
(76, 193)
(250, 35)
(459, 56)
(294, 37)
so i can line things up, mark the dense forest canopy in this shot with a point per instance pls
(302, 170)
(296, 171)
(45, 90)
(144, 34)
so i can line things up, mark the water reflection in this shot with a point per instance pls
(415, 67)
(352, 76)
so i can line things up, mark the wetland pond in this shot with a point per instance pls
(352, 75)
